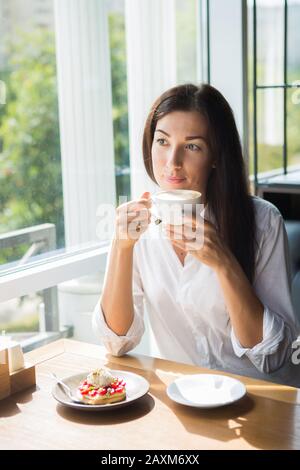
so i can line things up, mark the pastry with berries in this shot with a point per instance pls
(101, 387)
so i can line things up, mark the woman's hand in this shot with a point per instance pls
(244, 307)
(132, 220)
(200, 238)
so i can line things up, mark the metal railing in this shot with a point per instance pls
(41, 239)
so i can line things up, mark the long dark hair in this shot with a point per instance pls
(228, 195)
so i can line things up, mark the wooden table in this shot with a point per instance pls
(267, 418)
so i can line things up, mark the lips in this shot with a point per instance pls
(174, 179)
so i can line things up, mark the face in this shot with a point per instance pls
(180, 152)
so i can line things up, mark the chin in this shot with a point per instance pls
(169, 185)
(177, 186)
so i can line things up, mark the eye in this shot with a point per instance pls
(193, 147)
(161, 141)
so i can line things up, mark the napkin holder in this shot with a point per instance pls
(13, 382)
(4, 375)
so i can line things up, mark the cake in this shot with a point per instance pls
(101, 387)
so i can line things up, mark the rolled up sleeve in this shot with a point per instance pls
(273, 351)
(272, 285)
(115, 344)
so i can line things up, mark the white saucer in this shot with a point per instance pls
(206, 390)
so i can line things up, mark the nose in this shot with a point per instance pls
(175, 158)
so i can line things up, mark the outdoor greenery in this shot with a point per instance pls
(30, 164)
(271, 156)
(30, 168)
(120, 106)
(28, 323)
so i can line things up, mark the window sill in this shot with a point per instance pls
(36, 340)
(51, 272)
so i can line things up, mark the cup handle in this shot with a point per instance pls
(155, 218)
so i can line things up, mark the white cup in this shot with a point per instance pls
(170, 206)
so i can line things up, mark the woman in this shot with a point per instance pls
(226, 305)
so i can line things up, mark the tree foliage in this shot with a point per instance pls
(30, 166)
(30, 163)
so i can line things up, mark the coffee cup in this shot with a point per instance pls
(170, 206)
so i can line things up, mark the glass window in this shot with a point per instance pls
(30, 161)
(31, 177)
(277, 65)
(187, 40)
(117, 36)
(33, 198)
(269, 129)
(293, 125)
(270, 44)
(293, 40)
(250, 63)
(21, 315)
(27, 319)
(32, 223)
(293, 74)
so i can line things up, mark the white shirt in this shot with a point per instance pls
(188, 314)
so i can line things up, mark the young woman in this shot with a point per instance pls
(226, 305)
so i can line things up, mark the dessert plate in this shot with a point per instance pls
(136, 387)
(206, 390)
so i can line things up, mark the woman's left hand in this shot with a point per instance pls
(200, 238)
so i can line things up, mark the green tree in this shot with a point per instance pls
(30, 165)
(117, 39)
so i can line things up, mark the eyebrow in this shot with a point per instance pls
(192, 137)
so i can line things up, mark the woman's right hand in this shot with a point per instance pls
(132, 220)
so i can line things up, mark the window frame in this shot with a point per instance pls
(257, 177)
(52, 272)
(228, 20)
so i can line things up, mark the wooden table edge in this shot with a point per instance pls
(136, 361)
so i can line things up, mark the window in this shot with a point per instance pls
(47, 182)
(30, 173)
(64, 134)
(46, 179)
(117, 37)
(274, 74)
(188, 41)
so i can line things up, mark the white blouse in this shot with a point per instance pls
(188, 314)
